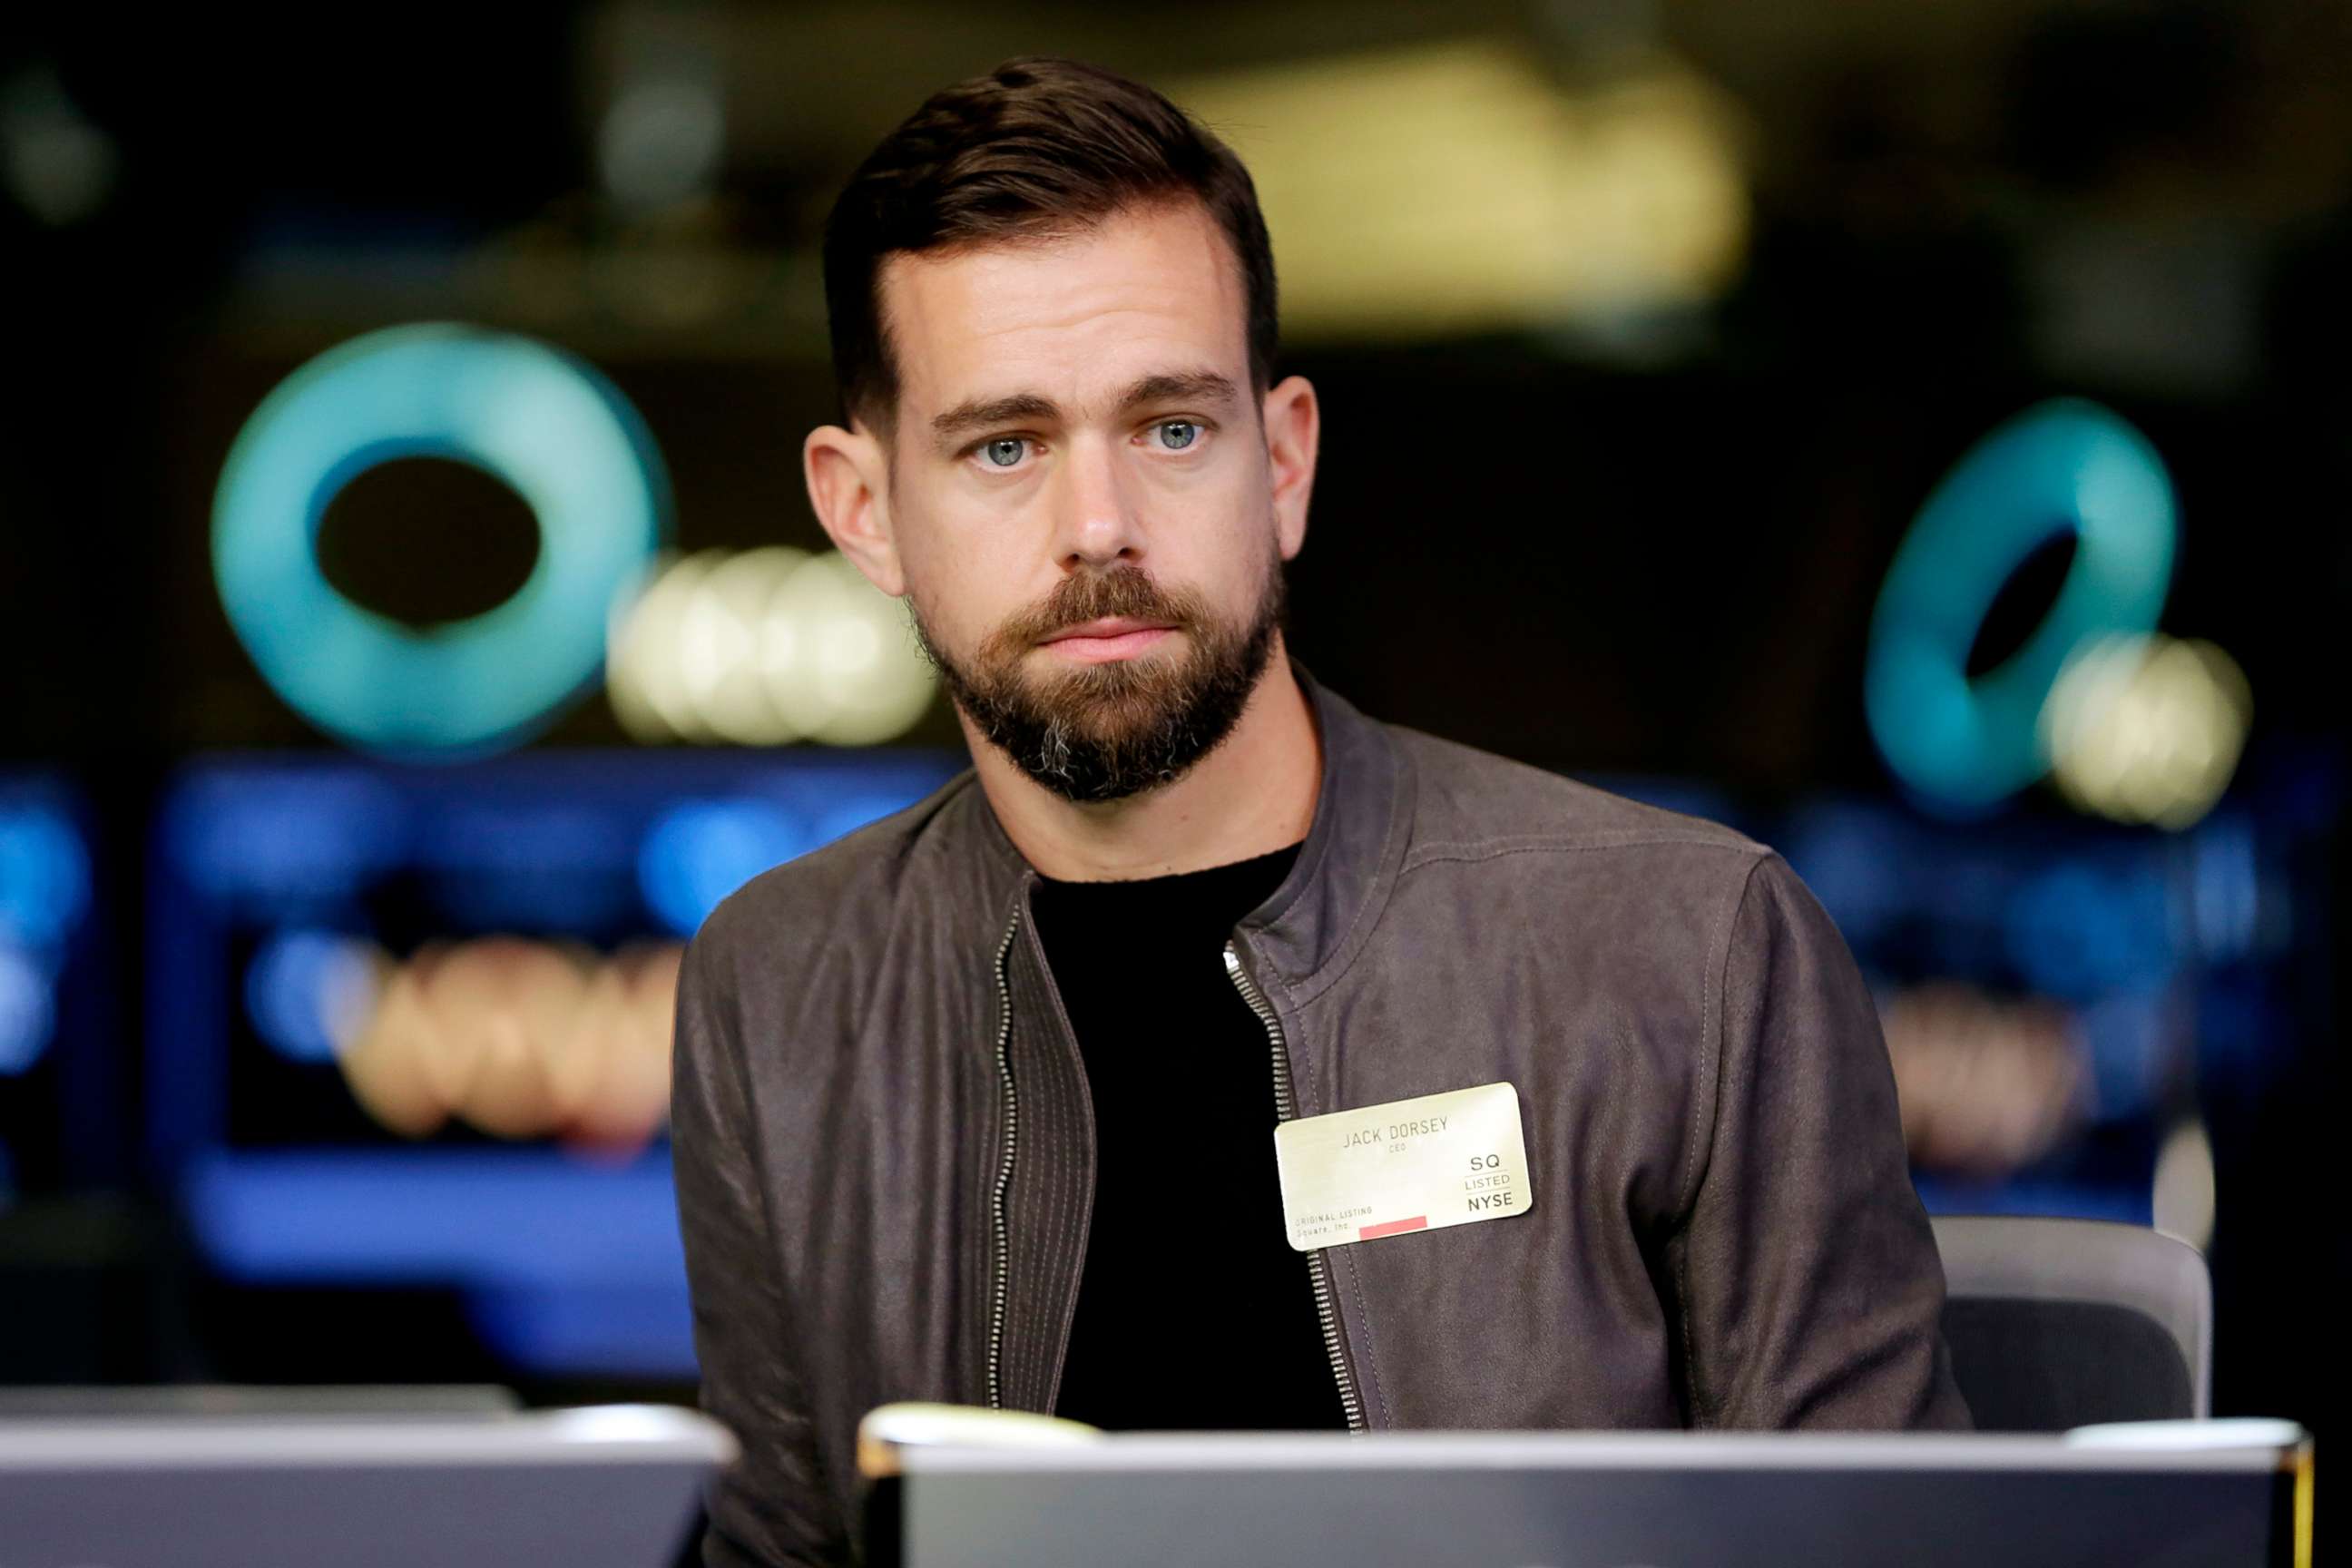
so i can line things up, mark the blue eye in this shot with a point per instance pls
(1005, 451)
(1191, 433)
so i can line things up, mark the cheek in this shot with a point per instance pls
(1247, 548)
(962, 594)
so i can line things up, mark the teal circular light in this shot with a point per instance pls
(2066, 466)
(540, 421)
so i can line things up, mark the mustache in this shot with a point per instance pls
(1127, 591)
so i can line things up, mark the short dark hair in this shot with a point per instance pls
(1038, 147)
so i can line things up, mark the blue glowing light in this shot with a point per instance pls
(283, 836)
(542, 422)
(2080, 932)
(698, 852)
(2128, 1040)
(848, 813)
(566, 1266)
(2063, 465)
(299, 987)
(44, 876)
(623, 1330)
(2226, 888)
(2129, 1204)
(28, 1010)
(1860, 864)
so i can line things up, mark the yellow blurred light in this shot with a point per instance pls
(1984, 1084)
(1459, 187)
(2147, 729)
(623, 1031)
(385, 1066)
(661, 139)
(856, 676)
(766, 646)
(521, 1039)
(642, 673)
(722, 640)
(506, 1007)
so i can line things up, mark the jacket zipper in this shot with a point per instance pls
(1001, 1231)
(1319, 1270)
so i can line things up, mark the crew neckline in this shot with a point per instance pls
(1231, 870)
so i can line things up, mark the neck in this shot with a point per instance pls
(1252, 795)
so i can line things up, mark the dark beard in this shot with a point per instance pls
(1106, 732)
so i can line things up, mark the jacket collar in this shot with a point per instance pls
(1304, 935)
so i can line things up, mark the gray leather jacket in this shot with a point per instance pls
(885, 1147)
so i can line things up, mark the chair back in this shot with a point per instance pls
(2055, 1324)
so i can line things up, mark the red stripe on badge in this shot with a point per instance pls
(1393, 1228)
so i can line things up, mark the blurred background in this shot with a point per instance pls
(1917, 435)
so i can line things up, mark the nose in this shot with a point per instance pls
(1095, 520)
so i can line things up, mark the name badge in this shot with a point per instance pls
(1413, 1164)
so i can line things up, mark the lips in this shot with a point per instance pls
(1111, 638)
(1107, 627)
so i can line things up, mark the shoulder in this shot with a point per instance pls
(1470, 805)
(922, 862)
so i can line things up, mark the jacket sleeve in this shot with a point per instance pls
(1812, 1289)
(770, 1508)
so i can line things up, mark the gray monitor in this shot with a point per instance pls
(601, 1486)
(2187, 1495)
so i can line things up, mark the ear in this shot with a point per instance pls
(1292, 424)
(848, 485)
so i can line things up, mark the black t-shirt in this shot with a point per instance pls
(1193, 1312)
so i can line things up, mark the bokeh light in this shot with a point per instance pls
(661, 140)
(45, 893)
(1985, 1084)
(1475, 190)
(28, 1009)
(726, 633)
(542, 422)
(59, 165)
(310, 993)
(2147, 729)
(698, 852)
(284, 839)
(765, 646)
(521, 1039)
(44, 876)
(2078, 931)
(1965, 745)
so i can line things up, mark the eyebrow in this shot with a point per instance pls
(976, 414)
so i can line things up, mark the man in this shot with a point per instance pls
(979, 1103)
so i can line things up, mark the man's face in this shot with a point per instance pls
(1080, 494)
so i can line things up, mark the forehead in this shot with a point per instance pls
(1070, 317)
